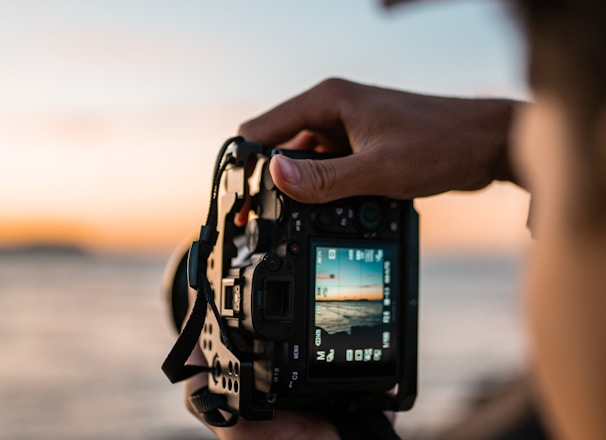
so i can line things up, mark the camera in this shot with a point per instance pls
(308, 306)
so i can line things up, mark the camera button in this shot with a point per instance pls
(297, 225)
(294, 248)
(296, 221)
(369, 216)
(323, 218)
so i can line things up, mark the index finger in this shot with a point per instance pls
(317, 110)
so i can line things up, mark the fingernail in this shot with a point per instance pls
(288, 168)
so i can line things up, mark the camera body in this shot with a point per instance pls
(319, 302)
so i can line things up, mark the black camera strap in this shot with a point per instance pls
(175, 365)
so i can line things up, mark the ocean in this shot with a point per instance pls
(341, 316)
(83, 336)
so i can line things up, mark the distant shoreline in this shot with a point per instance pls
(44, 249)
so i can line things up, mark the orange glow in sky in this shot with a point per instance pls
(112, 113)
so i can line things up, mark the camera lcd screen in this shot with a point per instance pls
(354, 302)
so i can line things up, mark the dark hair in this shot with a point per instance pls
(567, 47)
(567, 59)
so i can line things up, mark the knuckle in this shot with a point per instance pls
(333, 87)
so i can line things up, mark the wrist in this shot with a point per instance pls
(505, 169)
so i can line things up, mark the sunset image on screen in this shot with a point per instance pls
(349, 274)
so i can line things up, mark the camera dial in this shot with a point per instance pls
(369, 216)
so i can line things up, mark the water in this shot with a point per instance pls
(82, 340)
(340, 316)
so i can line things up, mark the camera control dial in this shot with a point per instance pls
(369, 216)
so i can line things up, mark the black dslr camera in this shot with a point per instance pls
(310, 307)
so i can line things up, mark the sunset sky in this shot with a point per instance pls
(111, 112)
(344, 274)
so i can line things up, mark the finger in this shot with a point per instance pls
(241, 217)
(320, 181)
(317, 109)
(331, 142)
(304, 140)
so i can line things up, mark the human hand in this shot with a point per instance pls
(404, 145)
(287, 424)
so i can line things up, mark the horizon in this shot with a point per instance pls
(112, 113)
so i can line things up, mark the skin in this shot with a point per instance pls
(564, 294)
(404, 145)
(426, 144)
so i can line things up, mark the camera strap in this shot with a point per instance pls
(175, 365)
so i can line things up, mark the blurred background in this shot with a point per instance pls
(111, 114)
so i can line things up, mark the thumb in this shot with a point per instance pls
(319, 181)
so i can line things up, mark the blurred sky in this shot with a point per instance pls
(111, 112)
